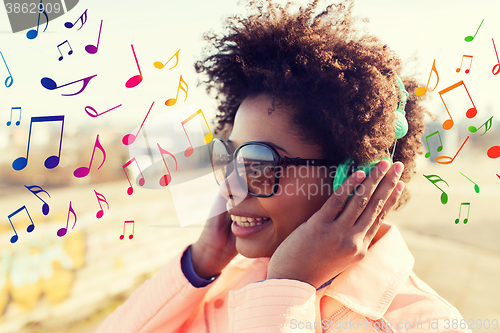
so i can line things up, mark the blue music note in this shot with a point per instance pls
(33, 33)
(30, 228)
(50, 84)
(37, 189)
(51, 161)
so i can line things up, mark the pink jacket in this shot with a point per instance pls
(378, 294)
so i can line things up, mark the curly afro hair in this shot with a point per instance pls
(339, 80)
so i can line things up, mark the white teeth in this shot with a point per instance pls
(244, 221)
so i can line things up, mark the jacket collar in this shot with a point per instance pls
(369, 286)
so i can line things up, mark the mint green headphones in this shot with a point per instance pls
(401, 126)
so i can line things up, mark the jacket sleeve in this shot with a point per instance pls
(272, 306)
(163, 303)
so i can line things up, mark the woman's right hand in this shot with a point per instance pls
(216, 246)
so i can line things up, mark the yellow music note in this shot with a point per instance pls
(172, 101)
(421, 91)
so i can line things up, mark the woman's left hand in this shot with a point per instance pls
(334, 237)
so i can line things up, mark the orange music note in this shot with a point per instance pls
(428, 154)
(467, 70)
(460, 210)
(160, 65)
(208, 137)
(130, 138)
(488, 124)
(61, 232)
(165, 179)
(134, 80)
(449, 159)
(84, 171)
(172, 101)
(100, 198)
(35, 189)
(133, 227)
(444, 196)
(471, 113)
(421, 91)
(130, 190)
(30, 228)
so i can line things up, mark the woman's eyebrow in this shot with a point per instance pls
(275, 146)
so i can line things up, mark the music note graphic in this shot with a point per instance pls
(421, 91)
(444, 196)
(471, 113)
(133, 227)
(84, 171)
(172, 101)
(167, 178)
(30, 228)
(468, 69)
(134, 80)
(488, 124)
(94, 112)
(50, 84)
(448, 159)
(208, 137)
(428, 154)
(497, 66)
(160, 65)
(460, 210)
(130, 138)
(51, 161)
(92, 49)
(100, 198)
(130, 190)
(17, 122)
(476, 187)
(35, 189)
(82, 18)
(10, 75)
(32, 34)
(471, 38)
(61, 232)
(493, 152)
(70, 52)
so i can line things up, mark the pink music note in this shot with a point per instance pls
(160, 65)
(50, 84)
(133, 227)
(70, 52)
(497, 66)
(100, 198)
(208, 137)
(449, 159)
(134, 80)
(82, 18)
(93, 113)
(167, 178)
(20, 111)
(30, 228)
(172, 101)
(130, 138)
(130, 190)
(33, 33)
(51, 161)
(84, 171)
(92, 49)
(61, 232)
(467, 70)
(421, 91)
(35, 190)
(471, 113)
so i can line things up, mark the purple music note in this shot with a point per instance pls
(61, 232)
(51, 161)
(92, 49)
(84, 171)
(82, 18)
(50, 84)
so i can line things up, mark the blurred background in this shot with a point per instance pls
(71, 283)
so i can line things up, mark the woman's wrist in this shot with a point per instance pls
(204, 262)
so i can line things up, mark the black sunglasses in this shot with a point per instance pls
(258, 166)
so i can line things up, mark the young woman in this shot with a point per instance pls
(304, 97)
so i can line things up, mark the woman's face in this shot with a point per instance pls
(302, 191)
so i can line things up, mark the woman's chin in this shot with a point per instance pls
(251, 250)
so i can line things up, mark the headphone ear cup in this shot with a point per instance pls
(341, 174)
(401, 125)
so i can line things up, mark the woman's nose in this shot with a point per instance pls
(231, 188)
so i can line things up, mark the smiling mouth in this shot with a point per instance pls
(244, 221)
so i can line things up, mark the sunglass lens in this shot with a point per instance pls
(220, 160)
(256, 165)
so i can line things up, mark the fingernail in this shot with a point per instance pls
(359, 176)
(400, 186)
(384, 166)
(399, 168)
